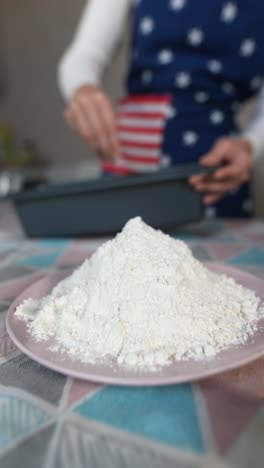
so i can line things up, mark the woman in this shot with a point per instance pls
(190, 69)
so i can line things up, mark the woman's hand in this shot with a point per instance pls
(91, 115)
(235, 161)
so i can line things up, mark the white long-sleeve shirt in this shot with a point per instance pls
(96, 39)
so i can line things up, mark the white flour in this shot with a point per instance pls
(144, 300)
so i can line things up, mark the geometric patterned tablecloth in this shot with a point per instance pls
(51, 421)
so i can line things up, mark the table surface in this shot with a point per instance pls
(51, 421)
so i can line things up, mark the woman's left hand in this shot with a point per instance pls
(235, 160)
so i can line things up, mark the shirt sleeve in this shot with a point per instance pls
(97, 36)
(254, 132)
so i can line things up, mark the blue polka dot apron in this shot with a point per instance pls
(193, 63)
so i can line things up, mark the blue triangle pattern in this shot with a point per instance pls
(166, 415)
(253, 256)
(40, 261)
(186, 237)
(54, 243)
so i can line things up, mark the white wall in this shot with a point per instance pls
(33, 35)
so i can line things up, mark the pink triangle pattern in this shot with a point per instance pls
(73, 256)
(229, 412)
(237, 224)
(255, 238)
(223, 252)
(11, 289)
(81, 389)
(247, 381)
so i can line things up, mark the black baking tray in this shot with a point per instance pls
(164, 199)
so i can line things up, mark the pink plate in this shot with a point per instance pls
(177, 372)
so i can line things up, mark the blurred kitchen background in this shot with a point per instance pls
(33, 36)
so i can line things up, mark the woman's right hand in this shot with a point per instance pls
(91, 114)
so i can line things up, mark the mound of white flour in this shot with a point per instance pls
(144, 300)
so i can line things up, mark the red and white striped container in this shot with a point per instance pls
(141, 122)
